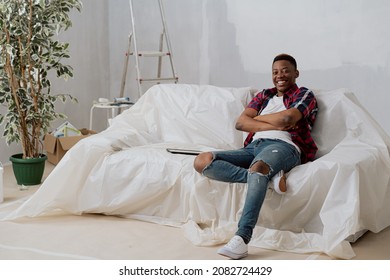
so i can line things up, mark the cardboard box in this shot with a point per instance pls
(56, 148)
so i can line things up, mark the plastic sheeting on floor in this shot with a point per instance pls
(126, 170)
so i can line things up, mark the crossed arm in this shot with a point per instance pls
(249, 121)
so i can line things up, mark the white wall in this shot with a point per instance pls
(337, 43)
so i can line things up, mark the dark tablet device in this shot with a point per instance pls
(183, 151)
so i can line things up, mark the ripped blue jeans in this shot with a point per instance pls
(233, 166)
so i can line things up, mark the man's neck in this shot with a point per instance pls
(279, 93)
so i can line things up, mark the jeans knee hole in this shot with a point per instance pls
(260, 167)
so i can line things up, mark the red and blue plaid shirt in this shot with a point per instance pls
(304, 100)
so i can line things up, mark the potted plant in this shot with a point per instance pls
(29, 51)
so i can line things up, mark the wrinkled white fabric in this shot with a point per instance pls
(126, 170)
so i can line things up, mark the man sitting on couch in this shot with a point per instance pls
(279, 121)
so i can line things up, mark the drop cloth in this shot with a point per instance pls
(126, 171)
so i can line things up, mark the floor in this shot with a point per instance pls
(111, 238)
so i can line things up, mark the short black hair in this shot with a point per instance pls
(287, 57)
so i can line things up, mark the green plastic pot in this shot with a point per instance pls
(28, 171)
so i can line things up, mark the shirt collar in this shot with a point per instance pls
(293, 89)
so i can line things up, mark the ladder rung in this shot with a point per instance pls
(158, 79)
(151, 53)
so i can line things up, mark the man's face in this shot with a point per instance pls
(284, 75)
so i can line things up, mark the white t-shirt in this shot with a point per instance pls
(275, 104)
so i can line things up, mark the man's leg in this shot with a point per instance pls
(227, 166)
(258, 178)
(272, 157)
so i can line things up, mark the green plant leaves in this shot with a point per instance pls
(29, 49)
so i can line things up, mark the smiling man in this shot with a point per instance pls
(279, 121)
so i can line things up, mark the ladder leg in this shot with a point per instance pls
(168, 43)
(160, 57)
(139, 79)
(125, 66)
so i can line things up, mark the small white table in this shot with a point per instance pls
(115, 109)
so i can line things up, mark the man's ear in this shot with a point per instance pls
(296, 73)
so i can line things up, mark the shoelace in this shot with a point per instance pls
(234, 243)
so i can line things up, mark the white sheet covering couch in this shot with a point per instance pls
(126, 171)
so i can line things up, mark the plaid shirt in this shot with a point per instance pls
(304, 100)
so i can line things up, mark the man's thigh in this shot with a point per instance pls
(278, 155)
(241, 157)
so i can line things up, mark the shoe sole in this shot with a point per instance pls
(280, 185)
(283, 184)
(231, 255)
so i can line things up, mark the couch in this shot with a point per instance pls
(127, 171)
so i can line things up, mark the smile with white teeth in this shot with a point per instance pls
(281, 82)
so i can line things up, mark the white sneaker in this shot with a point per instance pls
(235, 249)
(279, 182)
